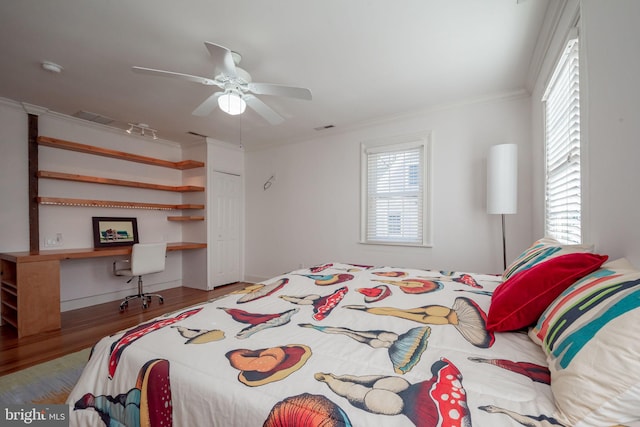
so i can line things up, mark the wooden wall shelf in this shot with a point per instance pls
(109, 181)
(120, 155)
(185, 218)
(60, 201)
(90, 149)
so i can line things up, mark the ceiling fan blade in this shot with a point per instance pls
(263, 110)
(222, 59)
(208, 105)
(195, 79)
(280, 90)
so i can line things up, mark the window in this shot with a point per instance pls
(562, 149)
(394, 191)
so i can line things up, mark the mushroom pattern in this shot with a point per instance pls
(329, 279)
(525, 420)
(537, 373)
(199, 336)
(468, 280)
(138, 332)
(146, 404)
(415, 286)
(257, 321)
(391, 273)
(266, 365)
(260, 290)
(438, 401)
(322, 305)
(306, 409)
(375, 294)
(319, 268)
(465, 315)
(404, 350)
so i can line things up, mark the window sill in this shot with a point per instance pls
(409, 245)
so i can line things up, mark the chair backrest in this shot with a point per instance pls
(148, 258)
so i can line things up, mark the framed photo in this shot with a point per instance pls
(114, 231)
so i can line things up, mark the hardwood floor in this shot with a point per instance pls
(82, 328)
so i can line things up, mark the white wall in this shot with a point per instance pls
(610, 125)
(311, 213)
(611, 45)
(14, 178)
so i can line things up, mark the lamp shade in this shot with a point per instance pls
(231, 103)
(502, 179)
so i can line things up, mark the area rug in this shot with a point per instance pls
(47, 383)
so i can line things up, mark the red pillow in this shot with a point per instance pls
(520, 300)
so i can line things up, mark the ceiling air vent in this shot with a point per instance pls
(93, 117)
(196, 134)
(325, 127)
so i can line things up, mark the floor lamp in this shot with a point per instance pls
(502, 185)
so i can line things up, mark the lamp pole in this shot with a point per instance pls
(504, 246)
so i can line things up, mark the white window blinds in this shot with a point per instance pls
(562, 150)
(395, 193)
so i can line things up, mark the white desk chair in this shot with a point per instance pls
(146, 258)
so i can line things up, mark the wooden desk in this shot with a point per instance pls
(30, 286)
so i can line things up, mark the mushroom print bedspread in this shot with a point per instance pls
(333, 345)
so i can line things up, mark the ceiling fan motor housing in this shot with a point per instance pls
(238, 87)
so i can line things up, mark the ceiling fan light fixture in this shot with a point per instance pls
(232, 103)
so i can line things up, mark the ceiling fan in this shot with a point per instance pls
(237, 88)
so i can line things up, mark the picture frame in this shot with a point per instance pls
(114, 231)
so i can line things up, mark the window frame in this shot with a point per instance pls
(574, 161)
(398, 143)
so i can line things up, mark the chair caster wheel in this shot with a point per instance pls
(124, 305)
(161, 300)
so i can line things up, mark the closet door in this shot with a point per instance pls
(226, 215)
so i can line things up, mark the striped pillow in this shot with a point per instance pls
(542, 250)
(591, 336)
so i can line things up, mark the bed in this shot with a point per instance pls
(342, 345)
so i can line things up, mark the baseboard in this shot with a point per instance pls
(114, 296)
(255, 279)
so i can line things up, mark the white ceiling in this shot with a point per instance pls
(363, 60)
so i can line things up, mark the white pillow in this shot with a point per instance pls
(591, 335)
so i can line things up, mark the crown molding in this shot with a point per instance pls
(41, 111)
(557, 10)
(34, 109)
